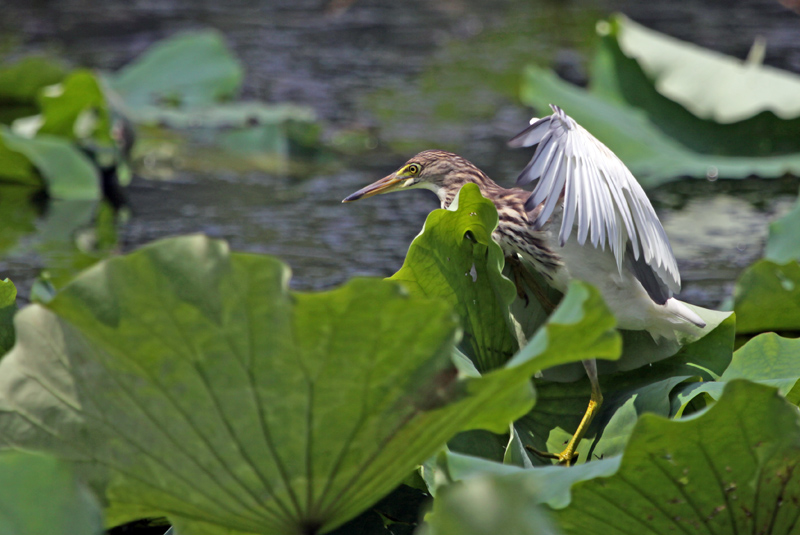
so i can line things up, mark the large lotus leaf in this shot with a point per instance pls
(67, 172)
(40, 495)
(190, 69)
(616, 76)
(767, 297)
(188, 381)
(455, 258)
(730, 469)
(783, 244)
(766, 359)
(76, 109)
(20, 83)
(707, 83)
(627, 395)
(652, 156)
(8, 306)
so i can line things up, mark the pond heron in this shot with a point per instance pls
(587, 218)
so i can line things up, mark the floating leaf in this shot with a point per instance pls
(188, 381)
(709, 84)
(15, 168)
(191, 69)
(68, 173)
(767, 298)
(76, 109)
(617, 77)
(40, 495)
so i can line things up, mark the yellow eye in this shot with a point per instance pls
(413, 169)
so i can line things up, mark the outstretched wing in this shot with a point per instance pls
(599, 194)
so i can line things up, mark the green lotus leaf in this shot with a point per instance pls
(454, 258)
(188, 70)
(186, 381)
(40, 495)
(627, 394)
(767, 359)
(783, 244)
(581, 311)
(652, 155)
(550, 485)
(76, 109)
(15, 168)
(621, 71)
(20, 83)
(8, 307)
(767, 297)
(730, 469)
(67, 172)
(709, 84)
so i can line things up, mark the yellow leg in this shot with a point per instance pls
(568, 456)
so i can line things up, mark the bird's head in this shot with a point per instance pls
(439, 171)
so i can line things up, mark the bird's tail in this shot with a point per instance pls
(683, 312)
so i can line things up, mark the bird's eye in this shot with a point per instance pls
(413, 169)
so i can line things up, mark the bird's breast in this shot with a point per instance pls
(516, 236)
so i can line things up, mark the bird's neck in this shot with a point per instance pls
(448, 190)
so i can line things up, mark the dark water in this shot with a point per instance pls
(415, 75)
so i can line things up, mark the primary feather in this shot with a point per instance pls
(598, 192)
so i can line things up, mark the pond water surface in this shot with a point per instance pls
(411, 75)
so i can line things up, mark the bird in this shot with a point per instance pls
(587, 218)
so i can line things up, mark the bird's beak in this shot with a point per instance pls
(384, 185)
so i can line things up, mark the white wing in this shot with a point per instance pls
(600, 195)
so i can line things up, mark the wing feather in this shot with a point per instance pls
(600, 196)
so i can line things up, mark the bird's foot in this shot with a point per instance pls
(565, 458)
(569, 456)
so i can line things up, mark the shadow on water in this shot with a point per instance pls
(416, 75)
